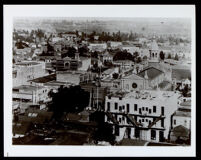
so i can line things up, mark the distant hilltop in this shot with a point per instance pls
(88, 24)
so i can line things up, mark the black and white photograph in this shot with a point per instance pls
(97, 79)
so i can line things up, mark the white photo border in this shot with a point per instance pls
(153, 11)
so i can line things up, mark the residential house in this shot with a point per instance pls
(124, 64)
(74, 77)
(109, 72)
(181, 122)
(130, 48)
(115, 45)
(85, 63)
(97, 47)
(106, 57)
(28, 93)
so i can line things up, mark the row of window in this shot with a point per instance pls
(140, 120)
(136, 133)
(135, 108)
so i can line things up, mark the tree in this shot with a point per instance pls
(144, 58)
(123, 55)
(70, 53)
(70, 100)
(162, 55)
(50, 48)
(115, 75)
(169, 56)
(83, 50)
(135, 54)
(185, 91)
(104, 130)
(138, 60)
(94, 54)
(176, 57)
(40, 33)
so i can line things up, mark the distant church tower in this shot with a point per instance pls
(154, 51)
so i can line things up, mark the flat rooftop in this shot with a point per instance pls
(28, 87)
(187, 103)
(56, 83)
(27, 63)
(146, 95)
(71, 72)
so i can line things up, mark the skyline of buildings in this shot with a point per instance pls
(140, 82)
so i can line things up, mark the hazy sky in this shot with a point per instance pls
(160, 25)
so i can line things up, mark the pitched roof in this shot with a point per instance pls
(151, 72)
(133, 76)
(45, 79)
(109, 71)
(154, 45)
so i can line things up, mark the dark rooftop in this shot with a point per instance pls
(40, 117)
(45, 79)
(151, 72)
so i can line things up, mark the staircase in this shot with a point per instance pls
(133, 121)
(154, 122)
(109, 115)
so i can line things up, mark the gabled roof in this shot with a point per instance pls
(133, 76)
(151, 72)
(154, 45)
